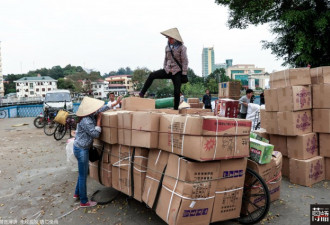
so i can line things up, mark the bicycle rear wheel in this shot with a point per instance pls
(256, 198)
(49, 127)
(60, 132)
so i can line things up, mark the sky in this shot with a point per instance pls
(105, 35)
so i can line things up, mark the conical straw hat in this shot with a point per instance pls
(173, 33)
(184, 105)
(89, 106)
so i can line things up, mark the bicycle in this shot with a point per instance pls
(3, 114)
(70, 124)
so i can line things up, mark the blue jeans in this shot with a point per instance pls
(82, 156)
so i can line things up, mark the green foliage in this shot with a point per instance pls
(140, 75)
(301, 27)
(212, 81)
(66, 84)
(120, 71)
(193, 90)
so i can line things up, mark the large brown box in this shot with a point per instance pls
(321, 93)
(105, 173)
(294, 98)
(187, 193)
(229, 191)
(194, 111)
(321, 120)
(229, 89)
(271, 122)
(327, 168)
(199, 105)
(204, 138)
(262, 133)
(280, 143)
(139, 171)
(324, 140)
(137, 104)
(121, 160)
(193, 100)
(320, 75)
(99, 145)
(303, 146)
(294, 123)
(290, 77)
(271, 100)
(145, 127)
(286, 167)
(157, 161)
(109, 125)
(307, 172)
(125, 128)
(263, 120)
(271, 173)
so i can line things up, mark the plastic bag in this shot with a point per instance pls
(253, 110)
(70, 157)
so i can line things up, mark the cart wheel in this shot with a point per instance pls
(256, 198)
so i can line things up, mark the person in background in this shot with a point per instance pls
(181, 97)
(207, 99)
(88, 128)
(244, 102)
(112, 100)
(262, 98)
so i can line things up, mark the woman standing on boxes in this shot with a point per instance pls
(175, 65)
(88, 128)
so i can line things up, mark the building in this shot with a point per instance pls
(220, 66)
(35, 86)
(2, 87)
(120, 84)
(250, 75)
(207, 61)
(100, 89)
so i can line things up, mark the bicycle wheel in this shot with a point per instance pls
(3, 114)
(39, 122)
(256, 198)
(49, 127)
(60, 131)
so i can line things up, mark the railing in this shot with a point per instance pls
(20, 101)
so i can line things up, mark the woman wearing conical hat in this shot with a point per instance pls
(88, 128)
(175, 65)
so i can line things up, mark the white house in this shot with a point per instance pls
(35, 86)
(100, 89)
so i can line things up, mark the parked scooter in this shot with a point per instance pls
(39, 121)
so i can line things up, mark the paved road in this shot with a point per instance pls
(37, 182)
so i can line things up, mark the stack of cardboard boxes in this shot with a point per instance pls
(189, 168)
(231, 89)
(293, 127)
(228, 105)
(195, 103)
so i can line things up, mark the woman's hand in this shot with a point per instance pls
(99, 119)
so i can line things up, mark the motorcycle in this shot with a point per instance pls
(39, 121)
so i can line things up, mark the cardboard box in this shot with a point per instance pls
(263, 118)
(199, 105)
(320, 75)
(109, 125)
(327, 168)
(262, 133)
(286, 167)
(121, 160)
(204, 138)
(294, 123)
(271, 100)
(255, 135)
(307, 172)
(99, 145)
(231, 88)
(260, 152)
(227, 108)
(105, 173)
(139, 171)
(157, 161)
(187, 193)
(290, 77)
(324, 140)
(194, 111)
(145, 127)
(137, 104)
(193, 100)
(167, 111)
(294, 98)
(229, 191)
(271, 173)
(125, 128)
(280, 143)
(321, 120)
(271, 122)
(320, 96)
(303, 146)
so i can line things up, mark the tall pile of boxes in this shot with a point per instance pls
(228, 105)
(296, 118)
(189, 168)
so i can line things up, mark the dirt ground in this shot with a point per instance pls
(36, 182)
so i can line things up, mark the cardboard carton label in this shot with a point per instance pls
(316, 170)
(312, 145)
(303, 97)
(223, 125)
(303, 122)
(195, 212)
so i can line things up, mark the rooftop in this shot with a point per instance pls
(45, 78)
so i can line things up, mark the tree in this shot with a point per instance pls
(301, 27)
(140, 76)
(193, 78)
(193, 89)
(66, 84)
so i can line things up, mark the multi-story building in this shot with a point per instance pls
(207, 61)
(2, 88)
(120, 84)
(35, 86)
(100, 89)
